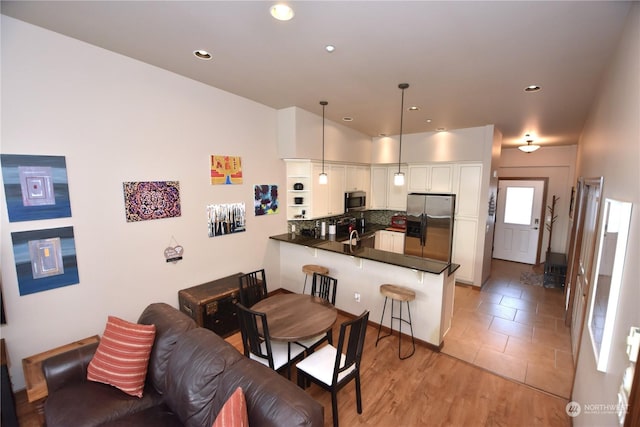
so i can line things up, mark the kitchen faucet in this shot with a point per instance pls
(351, 237)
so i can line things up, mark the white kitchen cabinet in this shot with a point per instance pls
(468, 184)
(358, 178)
(390, 241)
(464, 247)
(396, 194)
(336, 186)
(384, 193)
(328, 199)
(377, 199)
(432, 178)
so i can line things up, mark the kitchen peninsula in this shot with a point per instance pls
(360, 272)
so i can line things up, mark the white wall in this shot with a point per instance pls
(610, 147)
(116, 119)
(457, 145)
(300, 137)
(557, 164)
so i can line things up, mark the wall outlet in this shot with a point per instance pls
(356, 296)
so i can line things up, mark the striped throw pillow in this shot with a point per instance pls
(122, 356)
(233, 412)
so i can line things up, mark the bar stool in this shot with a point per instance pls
(309, 269)
(399, 294)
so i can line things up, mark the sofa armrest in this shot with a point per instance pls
(68, 367)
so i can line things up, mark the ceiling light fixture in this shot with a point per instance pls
(398, 177)
(281, 12)
(329, 48)
(347, 119)
(322, 179)
(532, 88)
(528, 147)
(202, 54)
(414, 108)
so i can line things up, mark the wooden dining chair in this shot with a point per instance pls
(257, 344)
(253, 287)
(332, 368)
(323, 286)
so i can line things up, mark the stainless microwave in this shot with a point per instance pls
(355, 201)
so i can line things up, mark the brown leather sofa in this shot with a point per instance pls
(191, 374)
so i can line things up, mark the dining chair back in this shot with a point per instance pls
(324, 286)
(333, 367)
(257, 344)
(253, 287)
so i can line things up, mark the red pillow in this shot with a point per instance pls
(122, 356)
(234, 412)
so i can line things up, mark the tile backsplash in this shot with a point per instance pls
(382, 217)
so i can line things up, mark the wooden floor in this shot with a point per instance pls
(429, 388)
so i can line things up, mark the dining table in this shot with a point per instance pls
(296, 317)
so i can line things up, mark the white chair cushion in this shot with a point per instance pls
(312, 341)
(320, 364)
(280, 353)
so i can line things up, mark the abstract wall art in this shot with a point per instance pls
(226, 218)
(45, 259)
(151, 200)
(265, 201)
(36, 187)
(226, 170)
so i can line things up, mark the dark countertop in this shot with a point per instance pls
(332, 244)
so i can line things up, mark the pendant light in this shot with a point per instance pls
(528, 148)
(322, 179)
(398, 177)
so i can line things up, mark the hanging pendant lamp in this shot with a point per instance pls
(398, 177)
(322, 179)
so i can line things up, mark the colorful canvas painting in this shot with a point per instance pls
(151, 200)
(45, 259)
(226, 170)
(36, 187)
(265, 201)
(226, 218)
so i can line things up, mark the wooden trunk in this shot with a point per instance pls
(213, 304)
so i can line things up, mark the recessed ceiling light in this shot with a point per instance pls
(441, 129)
(532, 88)
(413, 108)
(428, 120)
(281, 12)
(347, 119)
(202, 54)
(329, 48)
(382, 134)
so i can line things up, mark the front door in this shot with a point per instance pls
(519, 220)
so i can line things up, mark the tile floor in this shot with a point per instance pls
(514, 330)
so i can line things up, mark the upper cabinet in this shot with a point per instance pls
(358, 178)
(384, 194)
(431, 178)
(328, 199)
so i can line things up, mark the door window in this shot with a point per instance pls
(518, 205)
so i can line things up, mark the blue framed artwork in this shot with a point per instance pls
(265, 200)
(45, 259)
(36, 187)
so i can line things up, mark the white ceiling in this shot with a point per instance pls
(467, 63)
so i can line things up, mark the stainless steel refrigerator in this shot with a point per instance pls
(429, 232)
